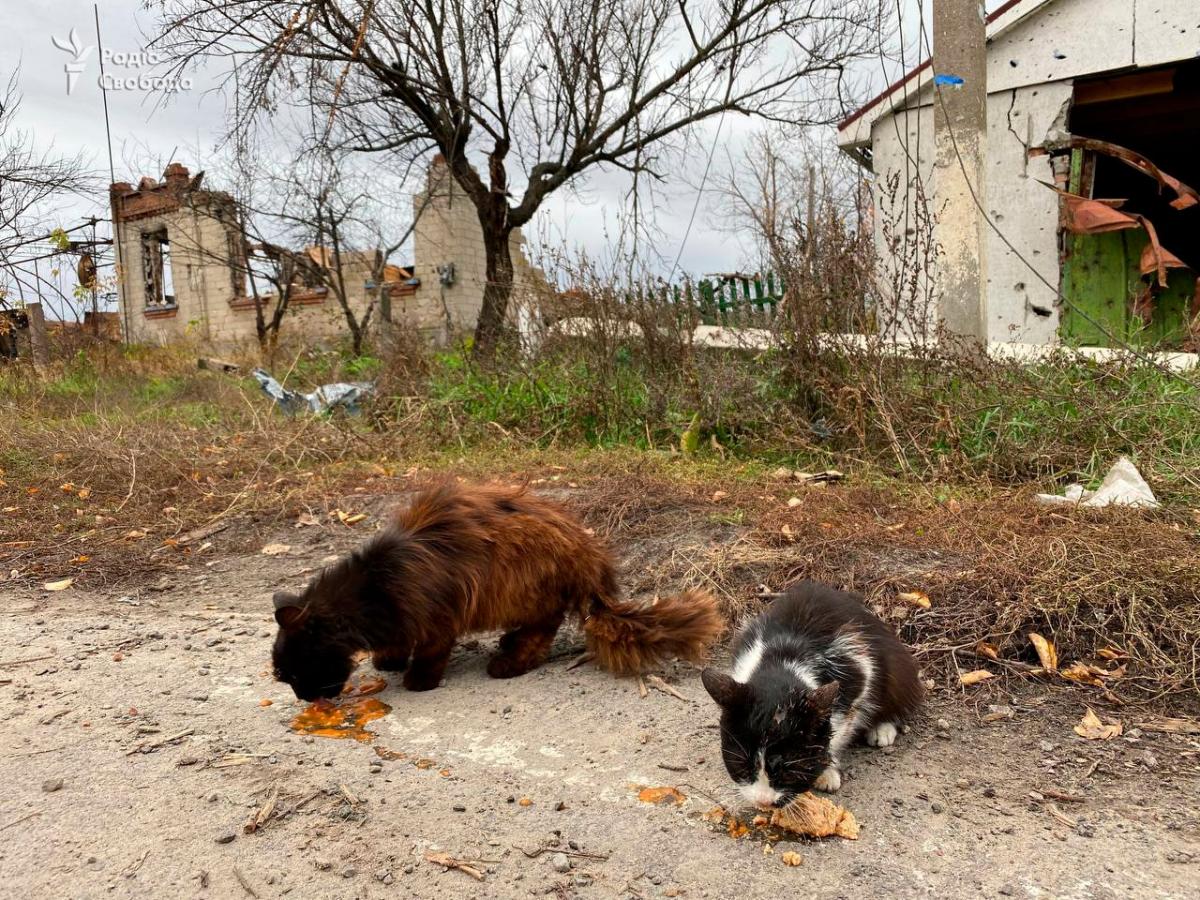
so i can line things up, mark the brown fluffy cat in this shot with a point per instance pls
(466, 559)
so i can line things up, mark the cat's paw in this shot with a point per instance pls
(829, 781)
(882, 735)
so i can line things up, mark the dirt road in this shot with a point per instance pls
(135, 750)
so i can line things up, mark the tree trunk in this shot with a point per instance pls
(497, 290)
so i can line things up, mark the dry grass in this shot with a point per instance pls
(101, 479)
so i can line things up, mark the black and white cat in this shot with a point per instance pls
(810, 675)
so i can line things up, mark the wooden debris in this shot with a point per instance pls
(656, 682)
(1055, 794)
(449, 862)
(643, 691)
(1060, 815)
(268, 809)
(217, 365)
(1169, 725)
(161, 742)
(204, 531)
(237, 759)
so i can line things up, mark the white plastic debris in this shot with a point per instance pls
(343, 394)
(1122, 486)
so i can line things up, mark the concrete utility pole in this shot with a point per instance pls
(960, 137)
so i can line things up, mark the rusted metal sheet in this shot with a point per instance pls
(1185, 196)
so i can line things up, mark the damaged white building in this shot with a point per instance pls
(1090, 102)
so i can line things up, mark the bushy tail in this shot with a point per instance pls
(628, 638)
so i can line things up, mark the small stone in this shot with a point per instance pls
(560, 862)
(50, 785)
(1007, 890)
(582, 880)
(187, 761)
(408, 869)
(989, 791)
(199, 698)
(458, 807)
(943, 725)
(349, 872)
(226, 837)
(937, 807)
(1085, 829)
(962, 783)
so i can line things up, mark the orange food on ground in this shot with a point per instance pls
(661, 795)
(345, 720)
(365, 687)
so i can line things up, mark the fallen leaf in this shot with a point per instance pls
(791, 858)
(719, 495)
(787, 532)
(84, 493)
(275, 549)
(136, 535)
(350, 518)
(986, 650)
(1111, 653)
(793, 502)
(975, 677)
(67, 488)
(385, 753)
(661, 795)
(1047, 655)
(265, 702)
(916, 598)
(60, 585)
(1080, 674)
(525, 801)
(81, 559)
(1091, 728)
(306, 519)
(425, 763)
(815, 816)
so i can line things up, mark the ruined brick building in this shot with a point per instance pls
(183, 271)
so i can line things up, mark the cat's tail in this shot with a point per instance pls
(629, 638)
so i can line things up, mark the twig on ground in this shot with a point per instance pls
(20, 820)
(656, 682)
(449, 862)
(241, 879)
(579, 661)
(643, 692)
(546, 848)
(28, 659)
(161, 742)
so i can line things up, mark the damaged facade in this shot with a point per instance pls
(185, 273)
(1088, 100)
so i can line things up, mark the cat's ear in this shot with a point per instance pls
(288, 611)
(820, 700)
(723, 688)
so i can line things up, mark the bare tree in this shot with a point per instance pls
(536, 91)
(29, 179)
(804, 208)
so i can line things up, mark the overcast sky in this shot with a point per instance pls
(147, 133)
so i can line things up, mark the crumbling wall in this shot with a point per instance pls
(448, 234)
(211, 303)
